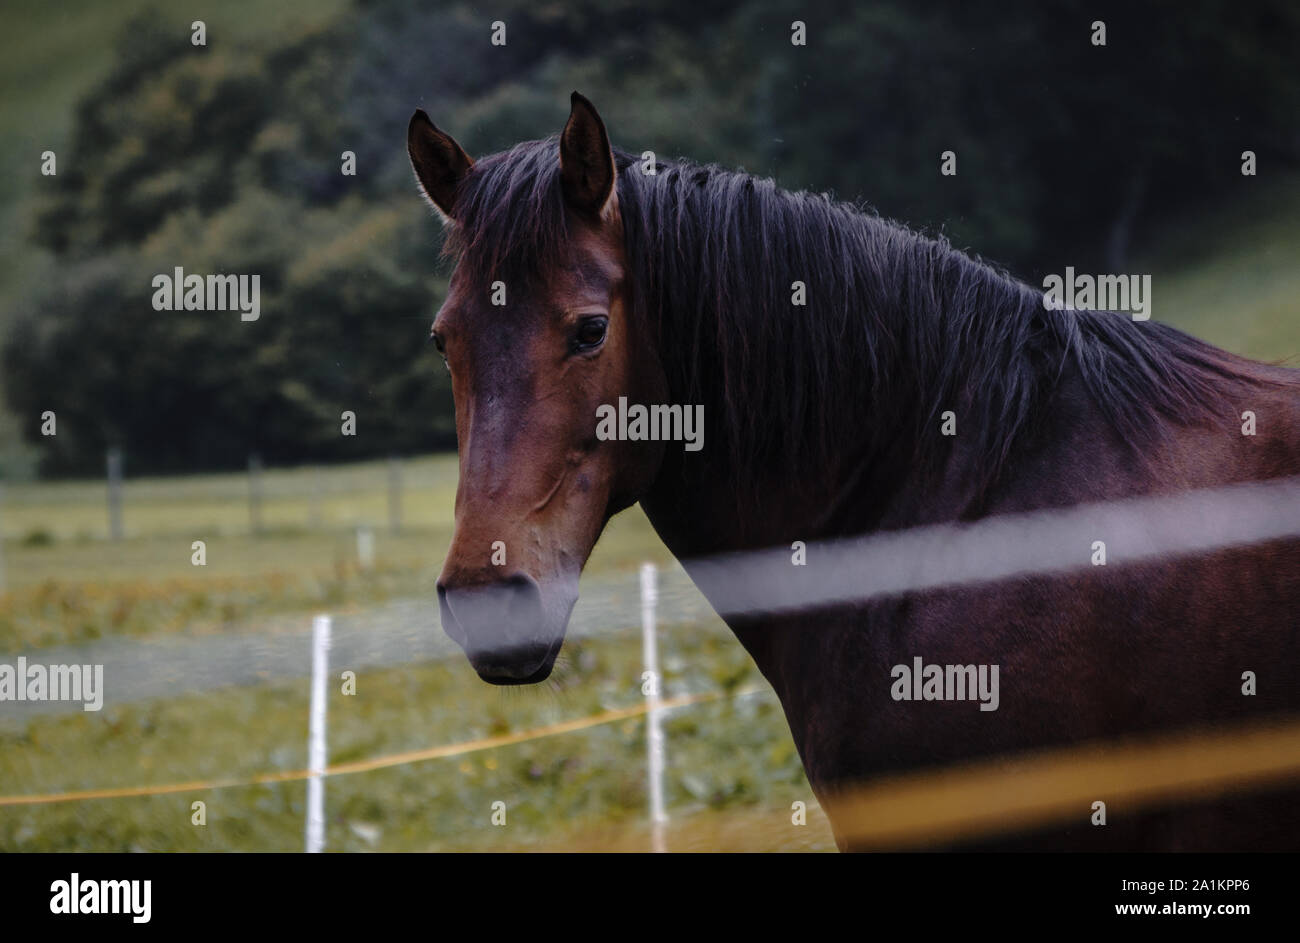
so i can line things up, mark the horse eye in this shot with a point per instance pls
(442, 349)
(590, 333)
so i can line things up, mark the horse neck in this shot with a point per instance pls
(886, 467)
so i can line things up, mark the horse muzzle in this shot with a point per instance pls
(511, 630)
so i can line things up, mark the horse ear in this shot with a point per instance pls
(586, 161)
(439, 162)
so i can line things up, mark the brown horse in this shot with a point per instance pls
(857, 378)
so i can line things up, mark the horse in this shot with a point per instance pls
(914, 386)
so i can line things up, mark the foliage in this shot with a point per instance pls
(226, 158)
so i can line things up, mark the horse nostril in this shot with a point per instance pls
(489, 615)
(525, 599)
(450, 625)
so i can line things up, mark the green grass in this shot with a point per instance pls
(216, 505)
(1232, 275)
(580, 791)
(573, 791)
(68, 583)
(733, 770)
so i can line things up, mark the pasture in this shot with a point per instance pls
(732, 769)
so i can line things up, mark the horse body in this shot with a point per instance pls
(825, 421)
(1091, 656)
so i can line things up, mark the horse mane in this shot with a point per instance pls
(898, 326)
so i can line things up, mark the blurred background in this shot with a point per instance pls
(226, 157)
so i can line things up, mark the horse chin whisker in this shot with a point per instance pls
(562, 677)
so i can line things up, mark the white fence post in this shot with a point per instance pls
(365, 547)
(316, 755)
(394, 494)
(314, 502)
(651, 686)
(255, 494)
(114, 463)
(2, 539)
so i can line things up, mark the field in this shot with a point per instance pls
(570, 791)
(1231, 274)
(733, 771)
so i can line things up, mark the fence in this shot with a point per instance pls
(256, 495)
(318, 769)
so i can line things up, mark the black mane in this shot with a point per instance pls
(898, 327)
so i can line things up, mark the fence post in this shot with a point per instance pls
(2, 538)
(652, 688)
(313, 505)
(114, 494)
(255, 493)
(365, 547)
(394, 494)
(316, 753)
